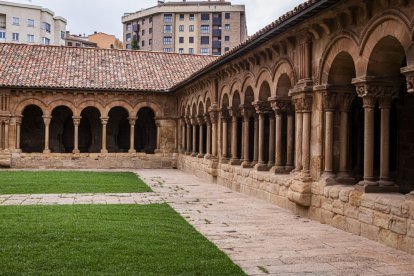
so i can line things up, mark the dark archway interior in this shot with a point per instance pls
(32, 137)
(356, 139)
(90, 131)
(61, 130)
(118, 130)
(146, 131)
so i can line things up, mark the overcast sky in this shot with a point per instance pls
(87, 16)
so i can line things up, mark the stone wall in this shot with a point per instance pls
(385, 218)
(94, 161)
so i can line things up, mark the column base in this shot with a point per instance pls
(132, 151)
(76, 151)
(104, 151)
(289, 169)
(367, 187)
(187, 153)
(46, 151)
(224, 160)
(18, 151)
(200, 155)
(207, 156)
(194, 154)
(261, 167)
(157, 151)
(235, 162)
(246, 165)
(278, 170)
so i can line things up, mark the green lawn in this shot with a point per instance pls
(101, 239)
(56, 182)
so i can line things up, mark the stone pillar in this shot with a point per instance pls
(46, 120)
(290, 142)
(279, 166)
(261, 137)
(369, 105)
(76, 123)
(256, 140)
(280, 106)
(261, 109)
(306, 135)
(18, 133)
(330, 105)
(200, 137)
(183, 134)
(208, 143)
(132, 121)
(246, 127)
(214, 119)
(385, 106)
(234, 133)
(194, 147)
(298, 135)
(188, 139)
(104, 121)
(272, 139)
(158, 150)
(224, 120)
(6, 134)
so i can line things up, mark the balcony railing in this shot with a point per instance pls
(217, 21)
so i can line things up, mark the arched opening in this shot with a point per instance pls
(248, 101)
(90, 131)
(146, 131)
(62, 130)
(392, 115)
(238, 128)
(32, 136)
(118, 130)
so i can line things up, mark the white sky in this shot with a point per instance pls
(87, 16)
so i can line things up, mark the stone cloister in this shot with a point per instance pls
(314, 113)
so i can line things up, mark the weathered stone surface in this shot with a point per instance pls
(398, 225)
(366, 215)
(370, 231)
(381, 220)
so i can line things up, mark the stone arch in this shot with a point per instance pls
(283, 68)
(65, 103)
(265, 75)
(344, 43)
(90, 128)
(224, 95)
(389, 25)
(236, 86)
(118, 129)
(146, 130)
(118, 103)
(247, 85)
(235, 99)
(194, 109)
(342, 70)
(208, 104)
(32, 135)
(153, 106)
(90, 103)
(61, 138)
(32, 101)
(264, 91)
(283, 85)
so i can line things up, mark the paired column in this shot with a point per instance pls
(200, 137)
(224, 121)
(256, 140)
(208, 143)
(188, 127)
(214, 119)
(194, 126)
(246, 127)
(18, 132)
(104, 121)
(306, 136)
(272, 139)
(132, 121)
(299, 133)
(385, 106)
(76, 123)
(234, 145)
(183, 134)
(330, 105)
(6, 134)
(261, 110)
(47, 119)
(290, 141)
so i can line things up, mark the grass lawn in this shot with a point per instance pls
(56, 182)
(102, 239)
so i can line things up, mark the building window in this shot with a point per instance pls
(15, 36)
(205, 17)
(227, 15)
(143, 43)
(182, 17)
(16, 21)
(128, 37)
(150, 42)
(205, 29)
(30, 23)
(167, 50)
(167, 29)
(227, 38)
(62, 34)
(227, 27)
(181, 51)
(181, 28)
(70, 44)
(2, 34)
(205, 51)
(167, 40)
(226, 49)
(181, 39)
(150, 19)
(191, 50)
(191, 39)
(77, 44)
(46, 41)
(205, 40)
(150, 31)
(143, 21)
(168, 18)
(46, 27)
(191, 28)
(30, 38)
(143, 32)
(129, 27)
(192, 17)
(128, 46)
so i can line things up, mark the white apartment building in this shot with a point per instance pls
(20, 23)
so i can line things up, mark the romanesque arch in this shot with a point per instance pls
(90, 130)
(32, 137)
(31, 101)
(118, 130)
(146, 130)
(61, 130)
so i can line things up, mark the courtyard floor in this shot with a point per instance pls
(260, 237)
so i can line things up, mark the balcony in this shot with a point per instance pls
(135, 28)
(217, 32)
(216, 44)
(217, 21)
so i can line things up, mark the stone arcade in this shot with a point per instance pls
(314, 113)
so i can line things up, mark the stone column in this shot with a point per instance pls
(261, 109)
(214, 119)
(200, 137)
(306, 136)
(299, 134)
(18, 132)
(224, 120)
(290, 142)
(158, 150)
(279, 166)
(256, 139)
(104, 122)
(46, 120)
(344, 105)
(272, 139)
(76, 123)
(183, 134)
(234, 133)
(245, 146)
(385, 106)
(132, 121)
(330, 105)
(369, 105)
(6, 134)
(194, 125)
(208, 143)
(188, 127)
(281, 106)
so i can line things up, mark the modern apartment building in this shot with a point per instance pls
(105, 41)
(20, 23)
(196, 27)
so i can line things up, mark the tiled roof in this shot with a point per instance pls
(35, 66)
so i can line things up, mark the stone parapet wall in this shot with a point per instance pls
(94, 161)
(385, 218)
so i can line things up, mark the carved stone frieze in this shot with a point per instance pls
(409, 74)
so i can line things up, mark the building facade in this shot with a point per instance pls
(196, 27)
(21, 23)
(314, 113)
(105, 41)
(82, 41)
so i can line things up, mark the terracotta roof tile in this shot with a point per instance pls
(33, 66)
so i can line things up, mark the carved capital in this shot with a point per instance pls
(369, 101)
(261, 107)
(409, 75)
(104, 120)
(280, 106)
(47, 119)
(385, 102)
(377, 88)
(234, 112)
(330, 100)
(18, 119)
(207, 119)
(345, 101)
(132, 121)
(214, 115)
(200, 120)
(76, 120)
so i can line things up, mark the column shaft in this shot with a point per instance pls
(261, 137)
(200, 140)
(132, 135)
(18, 131)
(299, 134)
(279, 140)
(208, 150)
(46, 120)
(272, 140)
(224, 142)
(329, 124)
(290, 142)
(256, 139)
(385, 105)
(368, 141)
(246, 122)
(104, 123)
(194, 139)
(306, 142)
(343, 145)
(234, 138)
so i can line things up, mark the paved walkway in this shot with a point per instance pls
(262, 238)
